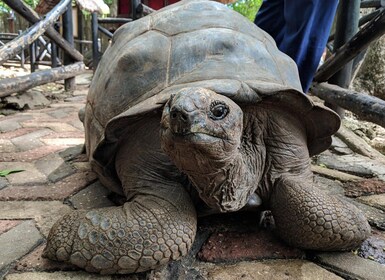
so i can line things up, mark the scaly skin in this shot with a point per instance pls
(156, 225)
(308, 218)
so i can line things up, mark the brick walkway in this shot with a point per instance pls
(47, 145)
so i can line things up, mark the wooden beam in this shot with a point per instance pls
(30, 15)
(370, 32)
(22, 83)
(367, 107)
(31, 34)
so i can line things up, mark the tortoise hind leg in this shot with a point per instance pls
(144, 233)
(308, 218)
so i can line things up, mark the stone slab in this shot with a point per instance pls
(31, 155)
(45, 213)
(6, 146)
(376, 217)
(30, 175)
(30, 140)
(351, 266)
(57, 191)
(17, 242)
(6, 225)
(268, 270)
(235, 246)
(49, 163)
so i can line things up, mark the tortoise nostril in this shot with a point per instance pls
(174, 115)
(178, 115)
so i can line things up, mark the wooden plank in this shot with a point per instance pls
(22, 83)
(30, 15)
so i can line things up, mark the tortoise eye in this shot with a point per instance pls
(218, 110)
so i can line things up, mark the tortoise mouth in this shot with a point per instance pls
(195, 137)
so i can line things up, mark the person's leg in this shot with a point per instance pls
(307, 28)
(270, 18)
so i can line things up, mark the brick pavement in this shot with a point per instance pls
(47, 145)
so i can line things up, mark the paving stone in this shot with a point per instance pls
(64, 170)
(377, 200)
(57, 191)
(31, 155)
(31, 140)
(94, 196)
(267, 270)
(6, 225)
(35, 262)
(63, 141)
(330, 186)
(45, 213)
(364, 187)
(30, 175)
(6, 146)
(235, 246)
(17, 242)
(3, 182)
(55, 126)
(82, 166)
(49, 163)
(78, 275)
(350, 266)
(60, 113)
(72, 152)
(12, 123)
(18, 132)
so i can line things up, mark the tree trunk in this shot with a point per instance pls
(11, 85)
(367, 107)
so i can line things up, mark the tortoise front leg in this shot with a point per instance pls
(144, 233)
(308, 218)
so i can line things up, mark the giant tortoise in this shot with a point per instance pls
(193, 109)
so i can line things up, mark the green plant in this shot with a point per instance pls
(6, 172)
(248, 8)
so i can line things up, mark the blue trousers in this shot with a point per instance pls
(301, 29)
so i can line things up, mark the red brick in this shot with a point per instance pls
(31, 155)
(17, 133)
(57, 191)
(235, 246)
(6, 225)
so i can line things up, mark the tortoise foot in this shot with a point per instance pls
(308, 218)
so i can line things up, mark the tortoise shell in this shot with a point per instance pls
(191, 43)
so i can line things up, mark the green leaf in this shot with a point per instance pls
(6, 172)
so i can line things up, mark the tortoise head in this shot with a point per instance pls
(201, 132)
(200, 129)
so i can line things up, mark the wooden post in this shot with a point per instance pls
(22, 55)
(347, 26)
(30, 35)
(29, 14)
(69, 83)
(80, 30)
(32, 56)
(95, 43)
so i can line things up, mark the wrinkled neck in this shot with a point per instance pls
(229, 186)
